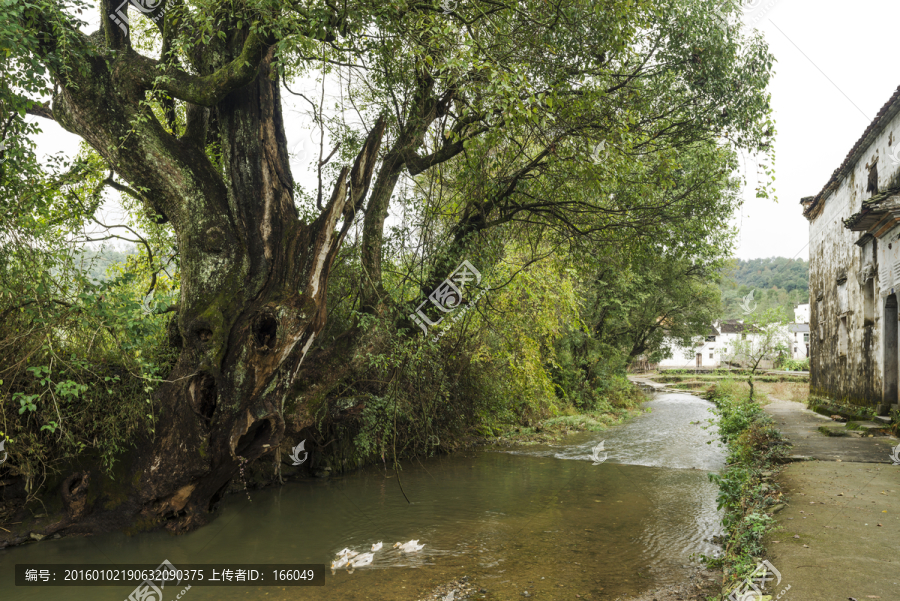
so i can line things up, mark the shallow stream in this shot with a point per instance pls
(541, 519)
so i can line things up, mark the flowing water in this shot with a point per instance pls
(542, 519)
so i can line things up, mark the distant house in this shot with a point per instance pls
(733, 330)
(702, 355)
(854, 270)
(798, 340)
(710, 351)
(801, 313)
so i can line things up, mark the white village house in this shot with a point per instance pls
(715, 350)
(798, 332)
(711, 352)
(801, 313)
(798, 340)
(702, 355)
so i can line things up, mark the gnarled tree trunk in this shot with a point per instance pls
(253, 277)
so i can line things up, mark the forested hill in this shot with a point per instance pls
(777, 272)
(96, 262)
(776, 281)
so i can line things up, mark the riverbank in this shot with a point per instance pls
(748, 492)
(541, 519)
(813, 496)
(20, 524)
(556, 429)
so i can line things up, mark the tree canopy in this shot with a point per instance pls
(579, 154)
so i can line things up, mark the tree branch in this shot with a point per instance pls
(205, 90)
(41, 110)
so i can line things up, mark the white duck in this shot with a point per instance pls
(340, 562)
(347, 553)
(362, 560)
(376, 546)
(597, 455)
(410, 547)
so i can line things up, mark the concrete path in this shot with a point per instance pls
(800, 426)
(839, 535)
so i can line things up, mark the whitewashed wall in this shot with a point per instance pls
(846, 362)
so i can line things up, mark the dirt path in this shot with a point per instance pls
(839, 535)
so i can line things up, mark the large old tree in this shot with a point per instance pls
(182, 105)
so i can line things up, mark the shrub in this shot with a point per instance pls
(794, 364)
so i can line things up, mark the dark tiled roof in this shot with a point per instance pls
(870, 212)
(798, 327)
(731, 326)
(887, 112)
(713, 331)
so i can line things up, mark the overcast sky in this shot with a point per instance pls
(828, 86)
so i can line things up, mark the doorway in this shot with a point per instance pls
(890, 354)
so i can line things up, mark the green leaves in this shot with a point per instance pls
(70, 389)
(26, 402)
(754, 447)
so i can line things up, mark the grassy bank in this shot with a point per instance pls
(785, 391)
(572, 420)
(747, 491)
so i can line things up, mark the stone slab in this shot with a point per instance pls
(800, 427)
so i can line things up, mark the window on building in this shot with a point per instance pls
(710, 338)
(795, 350)
(806, 337)
(872, 184)
(710, 355)
(869, 302)
(843, 337)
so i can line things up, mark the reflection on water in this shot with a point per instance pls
(541, 519)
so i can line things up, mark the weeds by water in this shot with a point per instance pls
(612, 410)
(555, 428)
(747, 491)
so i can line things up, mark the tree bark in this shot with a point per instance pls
(253, 277)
